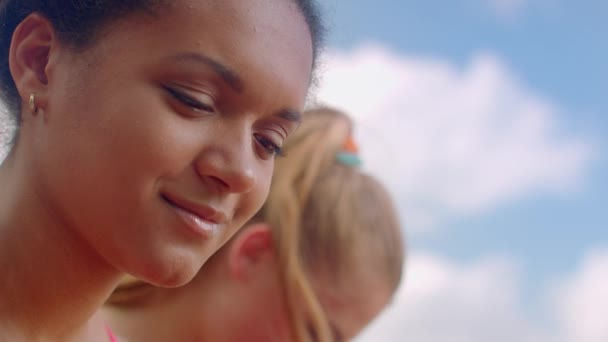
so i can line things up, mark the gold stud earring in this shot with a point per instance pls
(33, 107)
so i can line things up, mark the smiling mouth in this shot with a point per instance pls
(201, 220)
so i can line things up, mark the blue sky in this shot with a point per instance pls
(557, 46)
(522, 85)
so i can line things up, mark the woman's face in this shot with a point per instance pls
(159, 140)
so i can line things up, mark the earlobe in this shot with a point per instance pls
(32, 102)
(252, 249)
(29, 56)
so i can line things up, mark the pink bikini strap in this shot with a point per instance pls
(111, 334)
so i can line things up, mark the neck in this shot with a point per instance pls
(52, 282)
(193, 312)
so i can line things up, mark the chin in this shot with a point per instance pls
(179, 271)
(173, 280)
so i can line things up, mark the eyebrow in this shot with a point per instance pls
(231, 78)
(291, 115)
(228, 75)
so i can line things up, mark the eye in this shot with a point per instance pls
(190, 101)
(271, 149)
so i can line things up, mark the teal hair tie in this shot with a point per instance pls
(349, 159)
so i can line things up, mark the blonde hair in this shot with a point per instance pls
(324, 214)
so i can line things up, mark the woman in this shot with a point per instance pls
(320, 260)
(147, 131)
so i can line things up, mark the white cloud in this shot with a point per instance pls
(479, 302)
(582, 301)
(443, 302)
(451, 140)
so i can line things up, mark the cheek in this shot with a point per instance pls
(107, 148)
(115, 129)
(264, 184)
(137, 137)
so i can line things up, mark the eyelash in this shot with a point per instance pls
(272, 148)
(188, 100)
(269, 146)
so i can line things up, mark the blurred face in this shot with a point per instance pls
(257, 310)
(159, 140)
(351, 303)
(348, 308)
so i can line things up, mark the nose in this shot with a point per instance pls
(230, 162)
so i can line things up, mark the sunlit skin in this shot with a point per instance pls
(149, 150)
(238, 296)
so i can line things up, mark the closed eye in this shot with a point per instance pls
(269, 146)
(188, 100)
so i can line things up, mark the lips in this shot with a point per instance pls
(200, 218)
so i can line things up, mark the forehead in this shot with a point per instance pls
(267, 42)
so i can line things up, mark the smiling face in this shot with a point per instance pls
(159, 140)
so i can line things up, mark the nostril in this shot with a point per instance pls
(234, 182)
(221, 182)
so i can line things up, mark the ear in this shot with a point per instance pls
(29, 55)
(251, 251)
